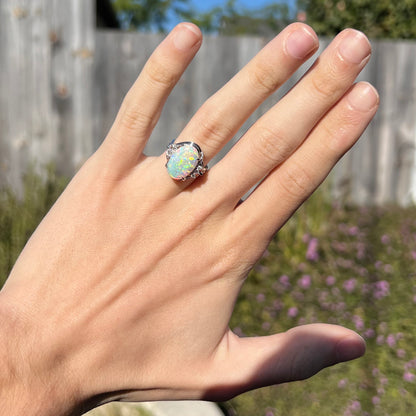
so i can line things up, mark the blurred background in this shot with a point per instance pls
(347, 257)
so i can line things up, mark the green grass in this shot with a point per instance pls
(20, 216)
(337, 264)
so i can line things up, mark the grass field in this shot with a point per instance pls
(331, 263)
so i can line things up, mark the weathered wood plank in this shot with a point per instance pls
(73, 48)
(27, 132)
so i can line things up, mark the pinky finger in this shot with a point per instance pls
(291, 183)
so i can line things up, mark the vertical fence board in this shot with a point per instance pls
(24, 83)
(72, 36)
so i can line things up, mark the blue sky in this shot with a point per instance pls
(204, 5)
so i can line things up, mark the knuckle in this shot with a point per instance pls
(325, 87)
(134, 119)
(213, 130)
(270, 145)
(331, 79)
(296, 181)
(159, 74)
(262, 78)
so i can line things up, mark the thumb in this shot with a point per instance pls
(250, 363)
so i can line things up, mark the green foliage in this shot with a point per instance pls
(148, 14)
(349, 266)
(234, 20)
(378, 19)
(229, 19)
(20, 216)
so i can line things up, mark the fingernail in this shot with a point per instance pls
(355, 47)
(300, 43)
(350, 348)
(363, 97)
(186, 36)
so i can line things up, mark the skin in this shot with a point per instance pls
(126, 289)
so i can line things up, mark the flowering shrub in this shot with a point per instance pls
(342, 265)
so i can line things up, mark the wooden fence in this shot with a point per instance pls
(62, 81)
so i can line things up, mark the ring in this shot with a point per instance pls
(185, 160)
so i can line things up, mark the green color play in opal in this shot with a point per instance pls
(182, 162)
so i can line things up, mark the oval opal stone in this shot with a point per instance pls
(182, 162)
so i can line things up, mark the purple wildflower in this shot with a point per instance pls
(260, 297)
(401, 353)
(391, 340)
(305, 281)
(378, 264)
(353, 230)
(375, 400)
(358, 322)
(292, 312)
(284, 280)
(330, 280)
(369, 333)
(342, 383)
(385, 239)
(312, 251)
(349, 285)
(384, 380)
(381, 289)
(409, 377)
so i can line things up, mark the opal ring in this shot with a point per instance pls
(185, 160)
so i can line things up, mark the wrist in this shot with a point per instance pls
(28, 382)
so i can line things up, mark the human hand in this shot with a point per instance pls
(126, 289)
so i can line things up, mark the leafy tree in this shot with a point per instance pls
(229, 19)
(148, 14)
(233, 20)
(377, 18)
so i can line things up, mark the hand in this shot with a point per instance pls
(126, 289)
